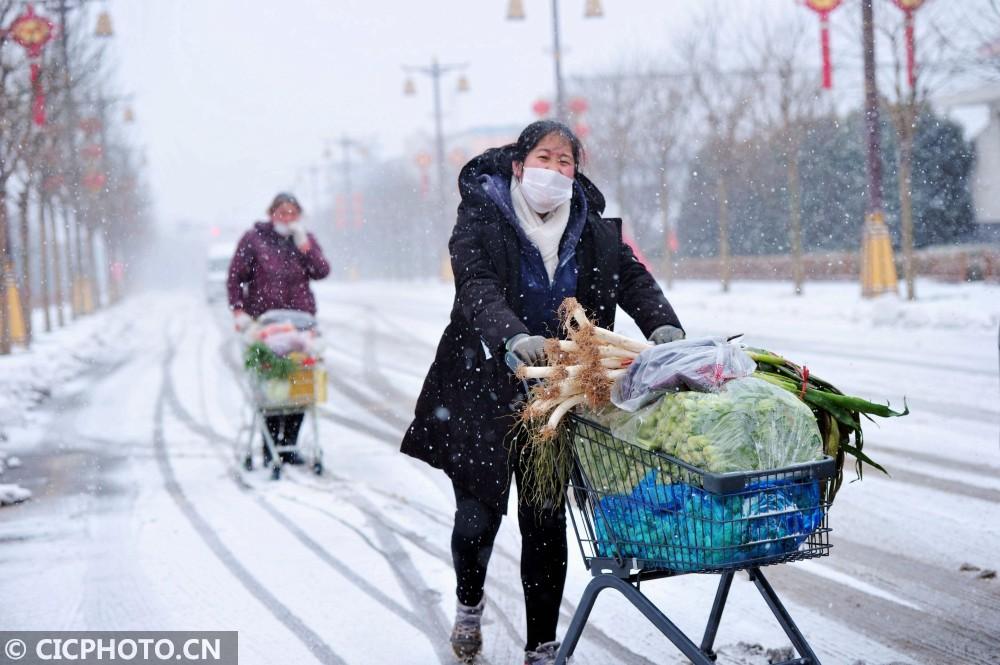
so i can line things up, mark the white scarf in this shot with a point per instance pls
(544, 233)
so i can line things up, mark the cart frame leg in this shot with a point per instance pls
(641, 603)
(806, 654)
(698, 656)
(715, 616)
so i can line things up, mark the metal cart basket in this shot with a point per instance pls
(641, 515)
(299, 393)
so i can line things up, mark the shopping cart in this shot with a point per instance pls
(297, 394)
(641, 515)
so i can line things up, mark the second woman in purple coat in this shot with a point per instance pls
(271, 269)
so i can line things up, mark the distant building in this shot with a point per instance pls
(978, 111)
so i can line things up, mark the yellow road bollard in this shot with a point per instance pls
(878, 269)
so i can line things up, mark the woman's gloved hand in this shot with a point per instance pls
(665, 334)
(241, 320)
(529, 349)
(300, 237)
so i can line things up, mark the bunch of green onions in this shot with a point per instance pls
(838, 415)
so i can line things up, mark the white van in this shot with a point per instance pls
(217, 271)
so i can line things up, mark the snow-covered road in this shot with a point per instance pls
(142, 519)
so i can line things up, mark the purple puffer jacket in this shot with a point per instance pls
(269, 272)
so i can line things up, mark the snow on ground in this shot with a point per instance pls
(128, 422)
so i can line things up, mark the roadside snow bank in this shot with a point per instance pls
(11, 494)
(27, 376)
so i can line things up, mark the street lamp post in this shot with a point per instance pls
(515, 12)
(878, 270)
(435, 71)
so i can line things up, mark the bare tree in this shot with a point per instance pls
(905, 98)
(726, 98)
(790, 99)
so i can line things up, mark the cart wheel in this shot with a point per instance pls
(318, 468)
(248, 463)
(276, 472)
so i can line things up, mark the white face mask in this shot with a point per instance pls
(545, 189)
(282, 228)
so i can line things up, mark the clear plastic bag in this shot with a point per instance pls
(703, 364)
(749, 425)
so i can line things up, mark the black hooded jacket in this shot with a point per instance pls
(464, 417)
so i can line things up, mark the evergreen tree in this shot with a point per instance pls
(832, 162)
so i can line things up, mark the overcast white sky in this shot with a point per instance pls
(234, 97)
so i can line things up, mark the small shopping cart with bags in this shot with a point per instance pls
(286, 377)
(641, 515)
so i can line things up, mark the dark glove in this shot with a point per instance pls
(665, 334)
(529, 349)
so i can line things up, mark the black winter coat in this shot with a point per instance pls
(464, 417)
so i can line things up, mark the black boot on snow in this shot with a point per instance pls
(467, 635)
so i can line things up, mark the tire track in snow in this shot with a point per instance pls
(593, 633)
(433, 627)
(313, 642)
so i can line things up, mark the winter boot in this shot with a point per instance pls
(467, 635)
(544, 654)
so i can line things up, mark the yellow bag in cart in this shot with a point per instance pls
(307, 385)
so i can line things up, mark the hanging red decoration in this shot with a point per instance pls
(94, 181)
(908, 7)
(33, 32)
(90, 125)
(578, 105)
(541, 108)
(823, 8)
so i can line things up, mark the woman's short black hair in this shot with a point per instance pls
(281, 199)
(533, 134)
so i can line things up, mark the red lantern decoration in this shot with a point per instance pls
(823, 8)
(541, 108)
(578, 105)
(33, 32)
(90, 125)
(908, 7)
(94, 181)
(92, 151)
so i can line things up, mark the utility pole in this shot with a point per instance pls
(878, 270)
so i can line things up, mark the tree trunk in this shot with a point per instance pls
(57, 279)
(43, 271)
(95, 286)
(4, 262)
(78, 267)
(25, 261)
(725, 268)
(906, 195)
(795, 219)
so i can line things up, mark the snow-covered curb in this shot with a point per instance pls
(27, 376)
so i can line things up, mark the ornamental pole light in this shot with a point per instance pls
(435, 72)
(593, 9)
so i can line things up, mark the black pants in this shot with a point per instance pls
(543, 556)
(284, 429)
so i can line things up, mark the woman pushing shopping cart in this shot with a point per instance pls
(271, 270)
